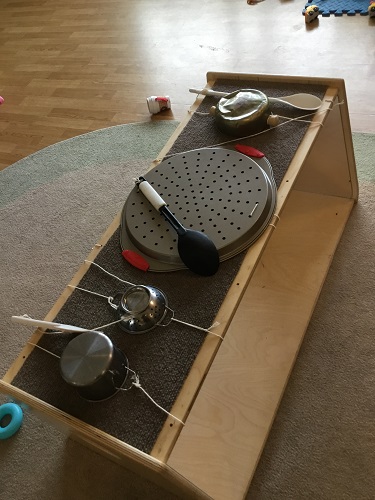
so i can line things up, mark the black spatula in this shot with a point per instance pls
(195, 248)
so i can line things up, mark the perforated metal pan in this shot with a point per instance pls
(220, 192)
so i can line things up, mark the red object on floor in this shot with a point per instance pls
(249, 151)
(135, 260)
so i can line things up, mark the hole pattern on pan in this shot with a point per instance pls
(219, 192)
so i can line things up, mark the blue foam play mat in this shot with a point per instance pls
(340, 7)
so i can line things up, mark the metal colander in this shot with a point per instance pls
(143, 308)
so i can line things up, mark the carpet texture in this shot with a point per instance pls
(322, 443)
(340, 7)
(44, 238)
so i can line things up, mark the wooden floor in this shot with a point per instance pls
(71, 67)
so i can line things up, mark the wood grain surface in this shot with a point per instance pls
(77, 66)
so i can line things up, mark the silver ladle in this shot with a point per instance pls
(305, 102)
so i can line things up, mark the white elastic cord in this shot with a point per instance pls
(265, 131)
(90, 291)
(300, 118)
(207, 330)
(45, 350)
(105, 326)
(137, 384)
(109, 274)
(109, 298)
(158, 160)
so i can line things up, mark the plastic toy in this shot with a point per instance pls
(340, 8)
(1, 100)
(371, 9)
(311, 13)
(14, 412)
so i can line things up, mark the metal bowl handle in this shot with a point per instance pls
(111, 301)
(169, 317)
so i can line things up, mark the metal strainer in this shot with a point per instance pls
(143, 308)
(223, 193)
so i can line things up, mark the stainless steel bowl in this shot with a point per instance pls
(143, 308)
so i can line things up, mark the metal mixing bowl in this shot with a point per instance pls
(143, 308)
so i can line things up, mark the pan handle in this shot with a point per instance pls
(159, 204)
(149, 192)
(168, 317)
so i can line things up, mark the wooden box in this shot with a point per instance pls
(232, 393)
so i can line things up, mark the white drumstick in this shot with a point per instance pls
(25, 320)
(208, 92)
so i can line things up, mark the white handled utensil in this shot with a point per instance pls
(305, 102)
(196, 250)
(25, 320)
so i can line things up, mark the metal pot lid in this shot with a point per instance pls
(86, 358)
(221, 192)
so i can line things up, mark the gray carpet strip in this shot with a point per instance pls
(162, 357)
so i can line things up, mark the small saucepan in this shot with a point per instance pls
(94, 366)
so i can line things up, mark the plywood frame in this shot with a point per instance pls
(226, 423)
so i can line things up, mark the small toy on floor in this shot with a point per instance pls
(1, 100)
(311, 13)
(371, 9)
(14, 415)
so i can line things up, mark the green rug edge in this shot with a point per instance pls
(135, 141)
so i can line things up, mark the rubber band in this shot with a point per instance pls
(278, 219)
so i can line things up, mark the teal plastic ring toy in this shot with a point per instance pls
(16, 417)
